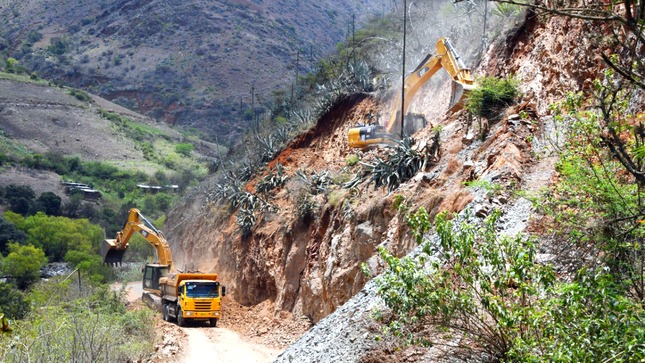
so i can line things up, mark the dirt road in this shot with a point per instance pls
(203, 343)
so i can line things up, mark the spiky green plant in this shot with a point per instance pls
(402, 164)
(318, 182)
(272, 180)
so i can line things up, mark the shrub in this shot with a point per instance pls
(70, 323)
(352, 160)
(491, 95)
(184, 149)
(79, 94)
(305, 205)
(23, 263)
(13, 302)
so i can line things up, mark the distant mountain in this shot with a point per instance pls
(188, 62)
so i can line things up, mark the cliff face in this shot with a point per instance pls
(311, 265)
(550, 57)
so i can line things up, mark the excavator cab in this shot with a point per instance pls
(151, 275)
(364, 136)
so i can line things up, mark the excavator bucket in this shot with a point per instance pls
(110, 253)
(458, 95)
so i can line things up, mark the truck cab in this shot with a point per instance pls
(192, 297)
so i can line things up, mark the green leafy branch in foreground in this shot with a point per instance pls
(488, 291)
(68, 324)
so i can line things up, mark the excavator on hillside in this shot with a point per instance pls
(447, 58)
(181, 295)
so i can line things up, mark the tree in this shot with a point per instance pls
(23, 263)
(13, 302)
(51, 203)
(9, 233)
(20, 198)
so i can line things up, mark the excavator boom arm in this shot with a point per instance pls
(112, 250)
(446, 58)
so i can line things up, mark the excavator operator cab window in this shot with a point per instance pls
(152, 274)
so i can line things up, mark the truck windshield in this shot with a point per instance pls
(202, 289)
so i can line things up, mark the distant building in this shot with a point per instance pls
(88, 192)
(157, 188)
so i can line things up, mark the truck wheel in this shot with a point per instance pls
(213, 322)
(180, 318)
(164, 312)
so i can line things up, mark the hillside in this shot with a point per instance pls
(46, 129)
(192, 63)
(309, 265)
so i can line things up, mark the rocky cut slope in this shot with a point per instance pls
(311, 265)
(191, 62)
(304, 254)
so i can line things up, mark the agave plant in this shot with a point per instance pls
(301, 117)
(245, 220)
(402, 165)
(272, 180)
(318, 182)
(267, 147)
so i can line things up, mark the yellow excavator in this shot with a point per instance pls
(180, 295)
(446, 58)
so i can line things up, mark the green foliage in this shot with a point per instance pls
(11, 64)
(91, 265)
(23, 263)
(9, 233)
(473, 281)
(352, 160)
(20, 197)
(587, 320)
(79, 94)
(488, 290)
(598, 189)
(402, 164)
(58, 235)
(184, 149)
(491, 96)
(13, 302)
(50, 203)
(79, 323)
(272, 180)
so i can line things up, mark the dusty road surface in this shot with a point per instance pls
(201, 343)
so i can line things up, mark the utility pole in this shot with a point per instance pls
(484, 39)
(405, 20)
(296, 80)
(253, 102)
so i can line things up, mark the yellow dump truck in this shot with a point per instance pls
(185, 296)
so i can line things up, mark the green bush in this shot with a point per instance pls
(352, 160)
(184, 149)
(491, 96)
(77, 323)
(13, 302)
(79, 94)
(23, 263)
(488, 290)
